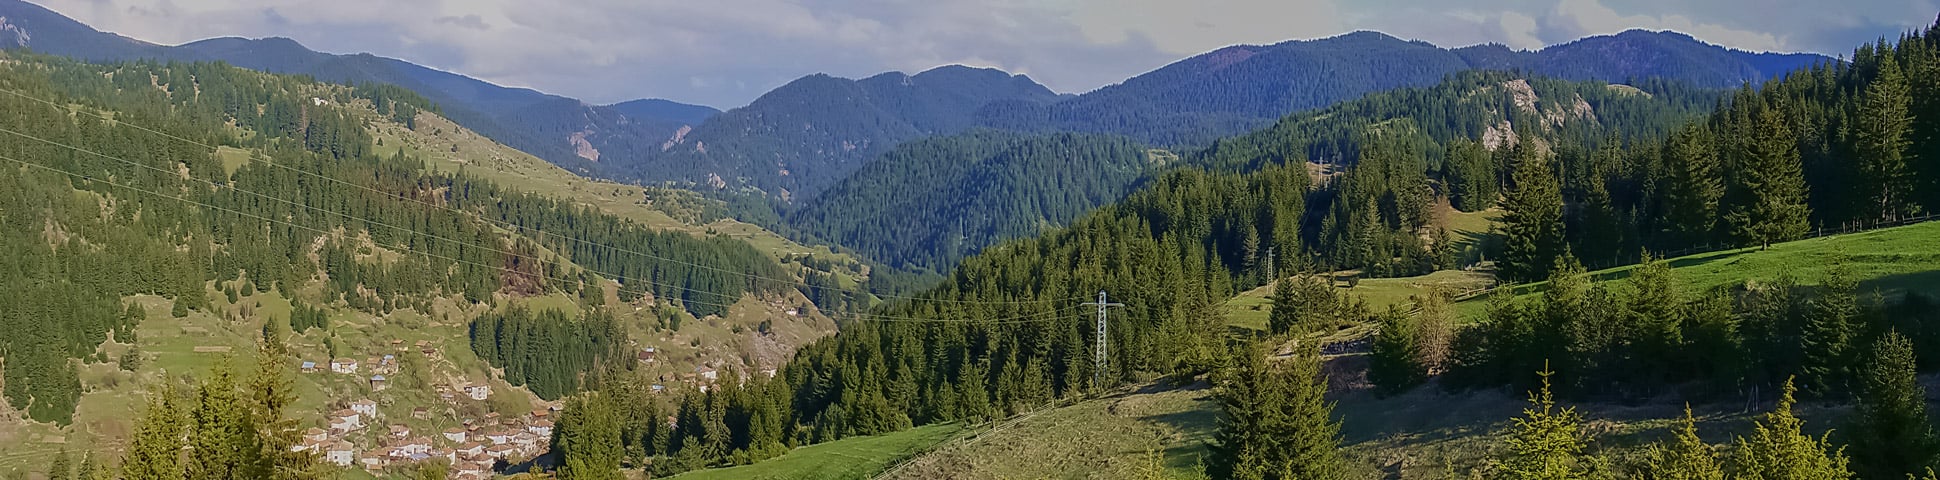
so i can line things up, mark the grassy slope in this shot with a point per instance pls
(1420, 433)
(849, 458)
(113, 398)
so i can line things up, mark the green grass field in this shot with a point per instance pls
(1889, 262)
(849, 458)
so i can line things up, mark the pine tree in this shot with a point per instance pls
(1882, 129)
(1532, 220)
(1394, 363)
(271, 393)
(1827, 335)
(1779, 450)
(60, 468)
(1657, 316)
(588, 439)
(1546, 443)
(1771, 185)
(224, 442)
(1691, 185)
(1892, 438)
(1274, 423)
(156, 452)
(1684, 456)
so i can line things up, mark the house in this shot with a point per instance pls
(365, 407)
(647, 354)
(316, 435)
(499, 436)
(538, 413)
(309, 367)
(421, 413)
(657, 388)
(541, 428)
(344, 366)
(500, 451)
(375, 459)
(339, 453)
(478, 391)
(416, 446)
(346, 420)
(471, 449)
(526, 441)
(378, 383)
(455, 435)
(708, 373)
(769, 372)
(400, 431)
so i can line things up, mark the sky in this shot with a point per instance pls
(724, 53)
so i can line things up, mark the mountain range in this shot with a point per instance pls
(803, 137)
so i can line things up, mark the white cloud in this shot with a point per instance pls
(1579, 18)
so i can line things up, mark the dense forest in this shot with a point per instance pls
(126, 195)
(929, 203)
(1004, 338)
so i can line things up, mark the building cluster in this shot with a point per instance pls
(471, 449)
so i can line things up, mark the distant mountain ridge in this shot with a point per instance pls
(544, 125)
(1238, 88)
(803, 137)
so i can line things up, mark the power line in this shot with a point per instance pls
(518, 228)
(867, 317)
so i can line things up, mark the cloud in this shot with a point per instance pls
(726, 52)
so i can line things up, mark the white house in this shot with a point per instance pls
(365, 407)
(455, 435)
(345, 366)
(346, 420)
(340, 453)
(478, 391)
(542, 428)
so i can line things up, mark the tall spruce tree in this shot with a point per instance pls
(1532, 221)
(1892, 438)
(1770, 181)
(1690, 186)
(1827, 335)
(156, 451)
(224, 439)
(1883, 122)
(1394, 365)
(1274, 423)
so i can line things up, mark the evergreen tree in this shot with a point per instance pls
(1771, 185)
(1827, 335)
(588, 439)
(1546, 443)
(1532, 221)
(1779, 450)
(1394, 363)
(1883, 122)
(1274, 423)
(60, 468)
(1657, 320)
(224, 441)
(1684, 456)
(1690, 185)
(1892, 437)
(156, 451)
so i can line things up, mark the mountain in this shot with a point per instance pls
(978, 188)
(559, 129)
(1238, 88)
(668, 110)
(801, 138)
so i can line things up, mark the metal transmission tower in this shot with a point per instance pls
(1098, 377)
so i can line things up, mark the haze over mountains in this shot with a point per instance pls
(800, 139)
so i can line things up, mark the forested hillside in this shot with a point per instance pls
(799, 139)
(1004, 337)
(1235, 89)
(106, 209)
(929, 203)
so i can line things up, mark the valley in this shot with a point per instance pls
(1343, 256)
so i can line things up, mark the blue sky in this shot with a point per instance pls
(726, 52)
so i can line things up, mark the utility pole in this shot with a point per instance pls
(1103, 303)
(1270, 277)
